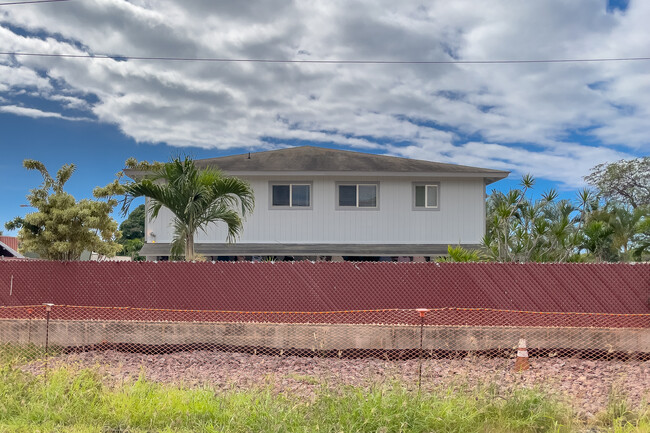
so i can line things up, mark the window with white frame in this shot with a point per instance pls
(426, 196)
(357, 195)
(291, 195)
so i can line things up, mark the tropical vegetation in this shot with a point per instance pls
(196, 197)
(520, 229)
(132, 229)
(62, 228)
(609, 222)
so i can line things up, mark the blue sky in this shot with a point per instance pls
(554, 121)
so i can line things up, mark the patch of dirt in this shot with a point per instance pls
(584, 384)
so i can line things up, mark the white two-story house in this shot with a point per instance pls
(324, 203)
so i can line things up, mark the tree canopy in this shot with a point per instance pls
(591, 227)
(626, 181)
(195, 197)
(619, 229)
(132, 229)
(133, 226)
(62, 228)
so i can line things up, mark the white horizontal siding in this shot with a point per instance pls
(460, 218)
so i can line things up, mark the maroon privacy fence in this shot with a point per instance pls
(474, 294)
(327, 286)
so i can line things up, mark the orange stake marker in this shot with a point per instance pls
(522, 363)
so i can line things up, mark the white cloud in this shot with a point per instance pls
(525, 117)
(14, 78)
(566, 164)
(34, 112)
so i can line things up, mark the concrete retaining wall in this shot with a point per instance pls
(70, 333)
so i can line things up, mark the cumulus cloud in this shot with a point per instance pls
(525, 117)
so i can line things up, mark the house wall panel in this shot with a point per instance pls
(460, 218)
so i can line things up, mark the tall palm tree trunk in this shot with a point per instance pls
(189, 246)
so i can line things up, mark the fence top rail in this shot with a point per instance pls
(382, 310)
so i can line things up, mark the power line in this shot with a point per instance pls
(31, 2)
(360, 62)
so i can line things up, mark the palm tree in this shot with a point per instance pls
(597, 240)
(523, 230)
(641, 240)
(625, 223)
(195, 197)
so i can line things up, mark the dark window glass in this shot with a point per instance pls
(347, 195)
(420, 195)
(281, 195)
(300, 195)
(367, 195)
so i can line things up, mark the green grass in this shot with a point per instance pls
(618, 417)
(81, 401)
(15, 353)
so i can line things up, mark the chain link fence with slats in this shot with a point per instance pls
(585, 354)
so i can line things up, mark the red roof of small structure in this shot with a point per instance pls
(10, 241)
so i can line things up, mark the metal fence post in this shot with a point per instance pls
(29, 327)
(423, 312)
(48, 309)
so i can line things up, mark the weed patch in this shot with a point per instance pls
(82, 401)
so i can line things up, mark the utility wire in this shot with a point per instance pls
(31, 2)
(358, 62)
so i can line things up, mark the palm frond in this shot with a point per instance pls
(195, 197)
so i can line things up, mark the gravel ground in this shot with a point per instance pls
(585, 384)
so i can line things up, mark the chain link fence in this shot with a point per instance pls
(584, 355)
(386, 334)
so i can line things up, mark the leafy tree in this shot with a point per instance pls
(195, 197)
(624, 186)
(626, 181)
(133, 226)
(116, 188)
(62, 228)
(132, 229)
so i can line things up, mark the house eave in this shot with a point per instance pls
(299, 249)
(489, 177)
